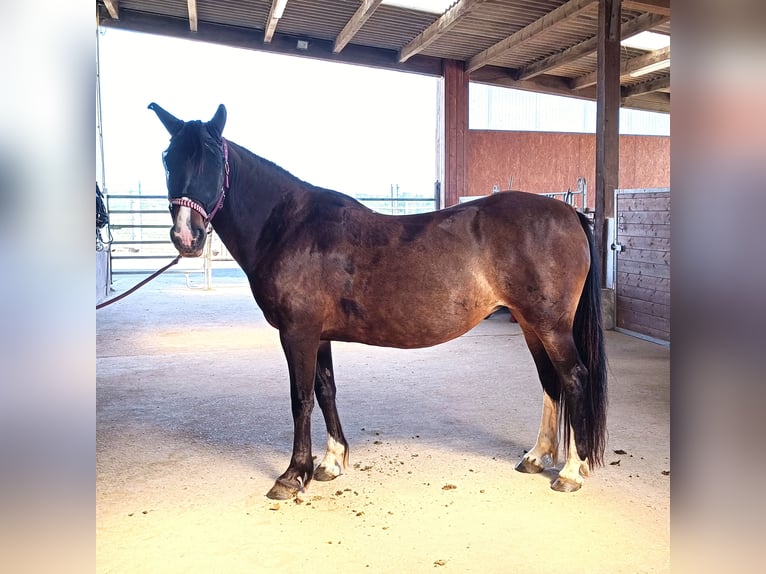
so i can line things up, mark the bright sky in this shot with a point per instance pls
(349, 128)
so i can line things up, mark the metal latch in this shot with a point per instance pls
(618, 247)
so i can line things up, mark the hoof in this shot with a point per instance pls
(321, 473)
(527, 466)
(284, 490)
(562, 484)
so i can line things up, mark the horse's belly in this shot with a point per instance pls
(409, 327)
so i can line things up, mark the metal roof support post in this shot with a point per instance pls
(607, 120)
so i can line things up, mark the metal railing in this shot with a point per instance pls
(139, 227)
(568, 196)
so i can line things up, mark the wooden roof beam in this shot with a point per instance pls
(362, 14)
(192, 5)
(626, 68)
(573, 53)
(544, 24)
(113, 7)
(655, 85)
(446, 21)
(652, 6)
(275, 13)
(653, 102)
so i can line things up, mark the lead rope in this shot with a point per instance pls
(139, 285)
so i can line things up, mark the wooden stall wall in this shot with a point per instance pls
(642, 286)
(547, 162)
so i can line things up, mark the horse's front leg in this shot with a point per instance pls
(301, 354)
(547, 440)
(336, 458)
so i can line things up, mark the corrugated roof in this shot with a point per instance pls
(552, 61)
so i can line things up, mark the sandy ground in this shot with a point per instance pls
(194, 425)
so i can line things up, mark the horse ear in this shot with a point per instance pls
(171, 123)
(218, 122)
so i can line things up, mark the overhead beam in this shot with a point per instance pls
(275, 13)
(438, 28)
(655, 85)
(574, 53)
(240, 37)
(362, 14)
(626, 68)
(192, 4)
(113, 7)
(651, 6)
(497, 76)
(653, 102)
(544, 24)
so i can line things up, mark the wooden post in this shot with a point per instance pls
(607, 120)
(455, 130)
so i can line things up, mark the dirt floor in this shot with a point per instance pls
(194, 425)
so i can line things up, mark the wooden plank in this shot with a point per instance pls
(626, 68)
(543, 25)
(644, 330)
(113, 7)
(661, 270)
(192, 8)
(272, 20)
(644, 217)
(644, 294)
(653, 6)
(645, 256)
(656, 243)
(639, 230)
(643, 281)
(647, 203)
(366, 9)
(573, 53)
(655, 85)
(652, 308)
(636, 321)
(446, 21)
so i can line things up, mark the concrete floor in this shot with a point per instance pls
(194, 425)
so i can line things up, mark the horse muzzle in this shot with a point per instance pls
(188, 232)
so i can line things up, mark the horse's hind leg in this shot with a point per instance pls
(336, 459)
(563, 354)
(547, 436)
(570, 477)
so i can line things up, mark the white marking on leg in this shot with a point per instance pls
(335, 458)
(547, 437)
(575, 467)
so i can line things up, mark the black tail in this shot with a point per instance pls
(588, 334)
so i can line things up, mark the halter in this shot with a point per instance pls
(195, 205)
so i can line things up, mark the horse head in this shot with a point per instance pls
(196, 167)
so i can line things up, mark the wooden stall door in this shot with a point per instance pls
(642, 278)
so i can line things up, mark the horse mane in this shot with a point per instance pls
(265, 165)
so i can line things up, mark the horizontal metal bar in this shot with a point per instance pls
(141, 212)
(160, 256)
(118, 196)
(137, 225)
(149, 271)
(142, 242)
(423, 199)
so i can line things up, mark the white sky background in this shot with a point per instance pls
(349, 128)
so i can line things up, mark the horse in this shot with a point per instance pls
(322, 267)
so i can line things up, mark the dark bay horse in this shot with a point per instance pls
(323, 267)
